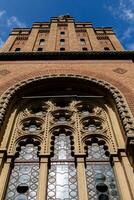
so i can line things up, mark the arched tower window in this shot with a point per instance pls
(42, 42)
(23, 183)
(101, 184)
(62, 180)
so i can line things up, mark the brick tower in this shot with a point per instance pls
(66, 113)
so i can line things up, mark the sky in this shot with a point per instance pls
(118, 14)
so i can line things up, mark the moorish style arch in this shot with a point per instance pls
(87, 116)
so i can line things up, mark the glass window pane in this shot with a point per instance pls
(62, 148)
(96, 152)
(23, 183)
(100, 181)
(100, 178)
(62, 183)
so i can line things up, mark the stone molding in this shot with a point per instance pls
(71, 55)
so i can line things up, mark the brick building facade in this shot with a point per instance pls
(66, 81)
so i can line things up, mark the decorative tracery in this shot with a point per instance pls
(59, 127)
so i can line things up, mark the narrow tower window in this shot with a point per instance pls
(106, 48)
(62, 33)
(17, 49)
(42, 42)
(62, 42)
(82, 41)
(62, 49)
(84, 49)
(40, 49)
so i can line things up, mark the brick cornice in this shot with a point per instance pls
(75, 55)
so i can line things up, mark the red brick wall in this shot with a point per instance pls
(118, 73)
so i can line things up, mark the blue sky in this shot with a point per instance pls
(118, 14)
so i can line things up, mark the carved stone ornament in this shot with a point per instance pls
(120, 70)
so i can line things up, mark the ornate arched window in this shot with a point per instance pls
(101, 184)
(62, 177)
(48, 115)
(23, 183)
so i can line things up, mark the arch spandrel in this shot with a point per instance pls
(99, 85)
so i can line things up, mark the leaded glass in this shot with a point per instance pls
(28, 152)
(101, 184)
(23, 181)
(101, 180)
(32, 126)
(96, 152)
(62, 148)
(62, 182)
(92, 127)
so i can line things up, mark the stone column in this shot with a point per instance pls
(2, 157)
(9, 130)
(122, 183)
(95, 44)
(74, 44)
(129, 172)
(29, 46)
(118, 135)
(51, 43)
(81, 180)
(43, 179)
(115, 42)
(4, 178)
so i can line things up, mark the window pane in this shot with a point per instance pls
(62, 150)
(23, 183)
(23, 175)
(42, 42)
(28, 152)
(62, 183)
(101, 182)
(62, 178)
(99, 174)
(96, 152)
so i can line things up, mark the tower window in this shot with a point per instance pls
(17, 49)
(106, 48)
(82, 41)
(62, 41)
(84, 49)
(62, 33)
(62, 49)
(40, 49)
(42, 42)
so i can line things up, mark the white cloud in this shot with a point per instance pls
(14, 21)
(7, 23)
(128, 33)
(124, 9)
(2, 12)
